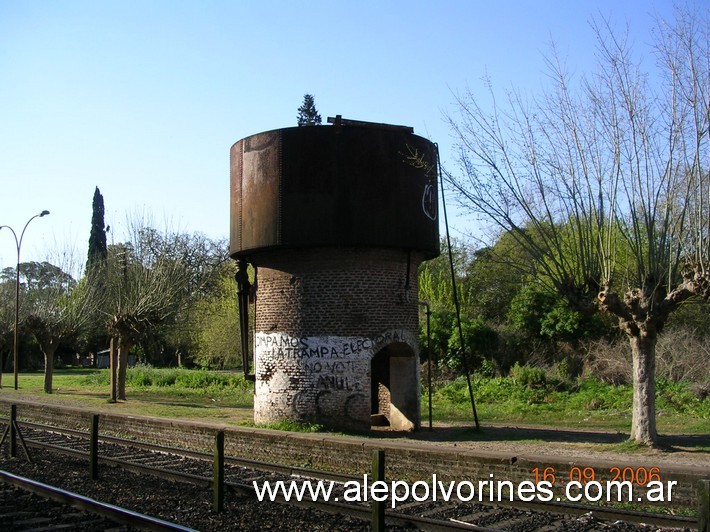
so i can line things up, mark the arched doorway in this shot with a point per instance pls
(394, 390)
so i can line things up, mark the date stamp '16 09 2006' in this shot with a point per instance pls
(621, 484)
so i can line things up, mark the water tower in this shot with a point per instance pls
(335, 221)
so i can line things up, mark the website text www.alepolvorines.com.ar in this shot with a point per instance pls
(490, 490)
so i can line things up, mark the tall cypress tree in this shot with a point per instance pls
(97, 238)
(307, 113)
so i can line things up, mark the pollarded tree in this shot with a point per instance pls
(307, 113)
(618, 164)
(137, 297)
(56, 313)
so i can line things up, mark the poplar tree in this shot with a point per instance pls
(97, 238)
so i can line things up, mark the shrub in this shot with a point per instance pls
(528, 376)
(145, 375)
(480, 342)
(98, 378)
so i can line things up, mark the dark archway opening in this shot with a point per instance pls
(394, 388)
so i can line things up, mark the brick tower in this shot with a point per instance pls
(335, 220)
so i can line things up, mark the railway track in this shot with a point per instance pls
(29, 505)
(194, 467)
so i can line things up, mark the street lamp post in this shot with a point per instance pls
(18, 244)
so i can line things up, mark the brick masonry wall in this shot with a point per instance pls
(336, 292)
(321, 315)
(405, 460)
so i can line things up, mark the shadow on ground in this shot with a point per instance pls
(694, 443)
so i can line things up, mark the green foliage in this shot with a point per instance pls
(530, 376)
(529, 307)
(39, 276)
(480, 342)
(440, 330)
(539, 312)
(529, 394)
(293, 426)
(7, 316)
(435, 284)
(561, 322)
(145, 375)
(694, 315)
(96, 379)
(495, 274)
(678, 396)
(591, 394)
(217, 319)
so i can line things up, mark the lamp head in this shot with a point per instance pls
(43, 213)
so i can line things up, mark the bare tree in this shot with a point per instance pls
(140, 292)
(605, 184)
(202, 259)
(57, 309)
(57, 316)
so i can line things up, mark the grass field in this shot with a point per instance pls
(227, 399)
(586, 404)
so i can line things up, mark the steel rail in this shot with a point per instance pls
(355, 511)
(115, 513)
(351, 510)
(607, 514)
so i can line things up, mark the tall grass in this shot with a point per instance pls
(144, 376)
(531, 395)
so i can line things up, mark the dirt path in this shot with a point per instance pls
(577, 445)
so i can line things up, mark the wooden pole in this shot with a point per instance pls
(94, 448)
(704, 506)
(13, 431)
(218, 472)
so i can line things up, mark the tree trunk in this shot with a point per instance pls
(112, 366)
(123, 348)
(643, 424)
(48, 351)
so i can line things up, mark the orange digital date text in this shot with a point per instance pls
(636, 475)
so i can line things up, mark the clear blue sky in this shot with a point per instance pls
(143, 98)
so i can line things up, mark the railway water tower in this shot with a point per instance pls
(335, 221)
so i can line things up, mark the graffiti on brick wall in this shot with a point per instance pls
(279, 345)
(323, 376)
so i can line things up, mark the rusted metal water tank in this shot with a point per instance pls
(336, 220)
(340, 186)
